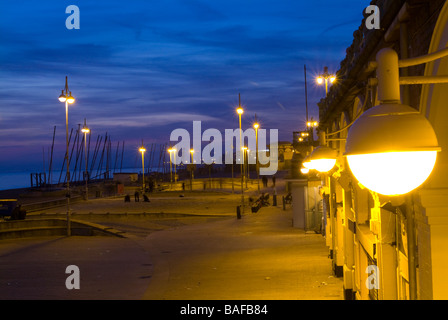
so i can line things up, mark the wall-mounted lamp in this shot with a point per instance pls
(323, 159)
(392, 148)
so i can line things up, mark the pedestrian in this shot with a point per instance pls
(137, 196)
(265, 181)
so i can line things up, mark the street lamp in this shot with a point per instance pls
(246, 169)
(240, 112)
(322, 159)
(171, 170)
(143, 150)
(326, 78)
(173, 150)
(256, 127)
(66, 96)
(392, 148)
(192, 168)
(86, 130)
(312, 124)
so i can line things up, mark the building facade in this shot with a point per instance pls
(387, 248)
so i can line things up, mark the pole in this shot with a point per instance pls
(66, 159)
(143, 167)
(191, 172)
(256, 160)
(85, 160)
(241, 145)
(175, 173)
(171, 171)
(306, 96)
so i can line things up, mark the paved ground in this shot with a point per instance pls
(258, 257)
(174, 257)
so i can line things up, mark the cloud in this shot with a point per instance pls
(149, 120)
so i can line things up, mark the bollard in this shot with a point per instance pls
(274, 200)
(238, 212)
(284, 202)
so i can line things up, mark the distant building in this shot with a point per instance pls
(285, 155)
(126, 178)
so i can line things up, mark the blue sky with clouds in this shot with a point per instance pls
(140, 69)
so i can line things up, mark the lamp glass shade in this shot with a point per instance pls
(305, 170)
(62, 97)
(323, 165)
(307, 164)
(391, 149)
(70, 99)
(393, 173)
(323, 159)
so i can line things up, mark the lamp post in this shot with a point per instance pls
(247, 166)
(86, 130)
(245, 152)
(326, 78)
(66, 96)
(143, 150)
(192, 169)
(171, 170)
(175, 165)
(256, 126)
(240, 112)
(311, 125)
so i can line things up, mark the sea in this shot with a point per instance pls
(16, 180)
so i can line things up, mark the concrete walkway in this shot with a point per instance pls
(259, 257)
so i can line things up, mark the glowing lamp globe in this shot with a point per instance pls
(391, 149)
(307, 163)
(62, 97)
(323, 159)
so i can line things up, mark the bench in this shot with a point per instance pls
(262, 201)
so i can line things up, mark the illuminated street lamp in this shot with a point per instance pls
(322, 159)
(86, 130)
(246, 167)
(171, 169)
(307, 163)
(312, 124)
(240, 112)
(192, 168)
(143, 150)
(66, 96)
(256, 127)
(305, 170)
(326, 78)
(392, 148)
(173, 150)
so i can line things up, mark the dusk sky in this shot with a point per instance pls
(140, 69)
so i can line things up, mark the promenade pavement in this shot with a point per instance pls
(195, 257)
